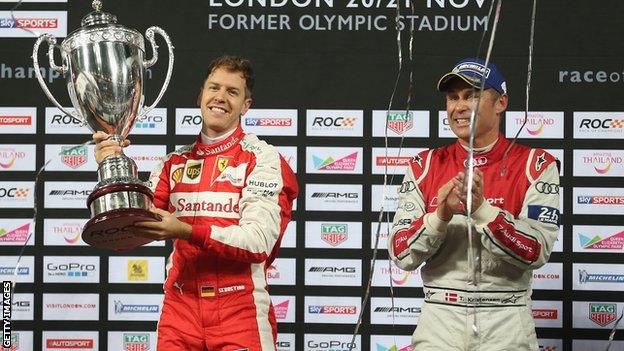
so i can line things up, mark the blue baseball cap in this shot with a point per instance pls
(472, 70)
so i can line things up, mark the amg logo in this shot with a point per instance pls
(336, 195)
(332, 269)
(398, 309)
(70, 192)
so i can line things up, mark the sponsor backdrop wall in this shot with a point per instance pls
(325, 71)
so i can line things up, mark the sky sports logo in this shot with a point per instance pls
(268, 122)
(600, 200)
(29, 23)
(325, 309)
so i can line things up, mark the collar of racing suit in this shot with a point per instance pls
(485, 158)
(209, 141)
(201, 149)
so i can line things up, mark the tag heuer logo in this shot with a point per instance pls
(74, 156)
(399, 123)
(193, 171)
(222, 163)
(136, 342)
(602, 313)
(334, 234)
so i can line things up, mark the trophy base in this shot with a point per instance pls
(108, 230)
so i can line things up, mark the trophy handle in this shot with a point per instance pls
(149, 34)
(51, 40)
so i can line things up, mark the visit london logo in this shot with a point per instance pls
(597, 242)
(346, 163)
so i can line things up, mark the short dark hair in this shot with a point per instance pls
(234, 64)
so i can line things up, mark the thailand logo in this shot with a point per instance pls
(613, 242)
(8, 156)
(399, 123)
(137, 270)
(74, 156)
(334, 234)
(281, 310)
(346, 163)
(136, 342)
(19, 234)
(602, 313)
(602, 162)
(380, 347)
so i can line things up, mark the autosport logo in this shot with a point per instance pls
(8, 120)
(69, 343)
(600, 200)
(545, 313)
(29, 23)
(329, 309)
(268, 122)
(392, 161)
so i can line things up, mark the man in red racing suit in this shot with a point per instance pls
(516, 220)
(226, 201)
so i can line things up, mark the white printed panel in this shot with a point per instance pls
(390, 201)
(132, 340)
(22, 340)
(391, 342)
(595, 314)
(334, 272)
(548, 277)
(331, 342)
(70, 158)
(22, 307)
(386, 270)
(596, 239)
(136, 270)
(547, 314)
(270, 122)
(550, 344)
(598, 125)
(16, 231)
(71, 269)
(134, 307)
(63, 232)
(17, 194)
(334, 160)
(341, 123)
(329, 197)
(17, 157)
(593, 345)
(70, 340)
(188, 121)
(67, 194)
(289, 153)
(282, 272)
(558, 246)
(444, 129)
(58, 122)
(284, 307)
(146, 157)
(330, 235)
(289, 239)
(539, 125)
(71, 307)
(383, 231)
(155, 123)
(397, 311)
(285, 342)
(18, 120)
(598, 200)
(598, 277)
(414, 124)
(598, 163)
(397, 163)
(331, 309)
(558, 154)
(25, 271)
(13, 23)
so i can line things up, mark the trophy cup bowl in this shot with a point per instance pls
(103, 63)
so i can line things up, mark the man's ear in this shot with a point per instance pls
(246, 106)
(199, 95)
(501, 103)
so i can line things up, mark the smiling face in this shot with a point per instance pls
(223, 99)
(461, 99)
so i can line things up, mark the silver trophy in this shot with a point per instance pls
(104, 63)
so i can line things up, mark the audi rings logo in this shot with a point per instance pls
(547, 188)
(477, 162)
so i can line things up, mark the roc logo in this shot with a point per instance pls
(334, 234)
(176, 175)
(74, 156)
(399, 123)
(136, 342)
(137, 270)
(602, 313)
